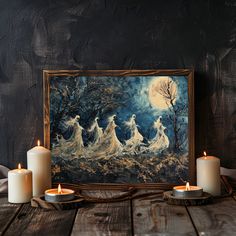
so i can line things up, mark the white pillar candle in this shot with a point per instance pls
(208, 174)
(39, 161)
(19, 185)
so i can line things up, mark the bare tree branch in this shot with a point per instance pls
(168, 91)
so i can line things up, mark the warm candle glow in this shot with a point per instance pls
(19, 166)
(59, 190)
(205, 154)
(187, 188)
(38, 142)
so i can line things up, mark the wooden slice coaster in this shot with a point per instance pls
(68, 205)
(206, 198)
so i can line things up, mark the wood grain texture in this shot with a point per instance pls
(216, 219)
(152, 216)
(103, 218)
(35, 221)
(102, 35)
(7, 212)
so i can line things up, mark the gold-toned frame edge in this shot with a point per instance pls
(191, 130)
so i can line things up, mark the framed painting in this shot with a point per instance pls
(120, 127)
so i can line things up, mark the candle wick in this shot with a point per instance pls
(59, 189)
(187, 188)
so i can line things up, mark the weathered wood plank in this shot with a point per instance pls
(7, 212)
(216, 219)
(35, 221)
(152, 216)
(103, 218)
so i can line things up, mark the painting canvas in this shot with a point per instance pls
(124, 127)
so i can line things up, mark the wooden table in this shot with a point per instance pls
(142, 216)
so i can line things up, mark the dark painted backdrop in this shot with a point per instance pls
(125, 34)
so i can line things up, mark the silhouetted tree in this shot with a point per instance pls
(168, 90)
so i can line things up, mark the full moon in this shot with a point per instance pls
(161, 91)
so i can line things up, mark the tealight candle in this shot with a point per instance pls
(208, 174)
(187, 191)
(19, 185)
(39, 161)
(59, 194)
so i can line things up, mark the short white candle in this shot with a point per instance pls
(208, 174)
(187, 191)
(39, 161)
(59, 194)
(19, 185)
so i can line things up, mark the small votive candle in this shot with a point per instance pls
(19, 185)
(59, 194)
(187, 191)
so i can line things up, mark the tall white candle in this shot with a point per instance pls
(39, 161)
(208, 174)
(19, 185)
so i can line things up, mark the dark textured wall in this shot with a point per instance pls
(121, 34)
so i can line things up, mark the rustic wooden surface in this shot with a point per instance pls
(7, 213)
(144, 215)
(217, 219)
(153, 216)
(35, 221)
(104, 218)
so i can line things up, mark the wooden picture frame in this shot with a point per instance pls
(112, 127)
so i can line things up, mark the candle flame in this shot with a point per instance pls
(38, 142)
(187, 188)
(19, 166)
(59, 190)
(204, 153)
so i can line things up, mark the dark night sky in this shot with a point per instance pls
(132, 96)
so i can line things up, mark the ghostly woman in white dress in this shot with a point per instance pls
(160, 142)
(136, 138)
(74, 145)
(109, 144)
